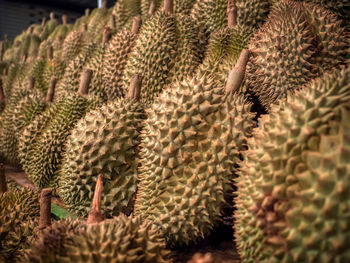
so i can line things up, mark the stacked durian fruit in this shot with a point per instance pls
(189, 110)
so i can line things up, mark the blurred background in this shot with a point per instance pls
(17, 15)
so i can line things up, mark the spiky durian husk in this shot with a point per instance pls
(211, 14)
(49, 244)
(18, 210)
(120, 239)
(115, 60)
(48, 29)
(293, 196)
(97, 21)
(191, 141)
(74, 44)
(123, 12)
(15, 78)
(299, 42)
(30, 46)
(37, 73)
(252, 14)
(104, 142)
(225, 46)
(183, 7)
(48, 150)
(145, 5)
(160, 45)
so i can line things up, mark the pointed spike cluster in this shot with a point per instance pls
(51, 91)
(85, 80)
(31, 83)
(135, 87)
(106, 34)
(52, 16)
(169, 6)
(152, 8)
(64, 19)
(87, 11)
(45, 208)
(3, 186)
(136, 24)
(236, 75)
(95, 215)
(231, 13)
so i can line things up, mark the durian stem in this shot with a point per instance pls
(43, 21)
(52, 16)
(24, 58)
(236, 75)
(50, 52)
(85, 82)
(64, 19)
(5, 71)
(5, 37)
(87, 11)
(95, 215)
(112, 22)
(31, 83)
(152, 8)
(231, 13)
(31, 30)
(106, 34)
(2, 95)
(105, 4)
(135, 87)
(45, 208)
(51, 91)
(84, 27)
(2, 51)
(169, 6)
(3, 185)
(136, 24)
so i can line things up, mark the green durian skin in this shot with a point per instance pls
(292, 187)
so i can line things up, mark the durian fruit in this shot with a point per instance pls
(30, 45)
(49, 27)
(98, 19)
(192, 140)
(225, 46)
(123, 13)
(104, 142)
(298, 42)
(19, 210)
(293, 188)
(149, 7)
(115, 59)
(81, 20)
(46, 154)
(16, 74)
(168, 45)
(211, 14)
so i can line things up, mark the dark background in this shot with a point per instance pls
(17, 15)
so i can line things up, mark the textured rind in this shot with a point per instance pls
(293, 197)
(191, 141)
(18, 210)
(97, 21)
(252, 14)
(298, 43)
(104, 142)
(74, 44)
(120, 239)
(124, 11)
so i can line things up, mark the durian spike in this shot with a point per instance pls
(105, 4)
(2, 95)
(85, 82)
(3, 185)
(87, 11)
(45, 208)
(51, 91)
(64, 19)
(136, 24)
(31, 83)
(231, 13)
(95, 215)
(152, 8)
(50, 52)
(169, 6)
(112, 22)
(106, 34)
(43, 21)
(52, 16)
(236, 75)
(84, 27)
(135, 87)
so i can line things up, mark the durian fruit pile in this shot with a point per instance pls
(191, 111)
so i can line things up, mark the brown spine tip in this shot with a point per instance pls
(169, 6)
(64, 19)
(52, 16)
(152, 8)
(84, 27)
(106, 34)
(136, 24)
(85, 82)
(45, 208)
(95, 215)
(236, 75)
(105, 4)
(135, 87)
(3, 185)
(87, 11)
(51, 91)
(43, 21)
(231, 13)
(31, 81)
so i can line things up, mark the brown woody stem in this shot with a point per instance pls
(104, 4)
(3, 185)
(169, 6)
(52, 16)
(84, 27)
(2, 95)
(64, 19)
(152, 8)
(135, 87)
(24, 58)
(31, 83)
(106, 34)
(112, 22)
(5, 37)
(43, 21)
(136, 24)
(231, 13)
(5, 71)
(51, 91)
(50, 52)
(87, 11)
(45, 208)
(236, 75)
(95, 215)
(85, 82)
